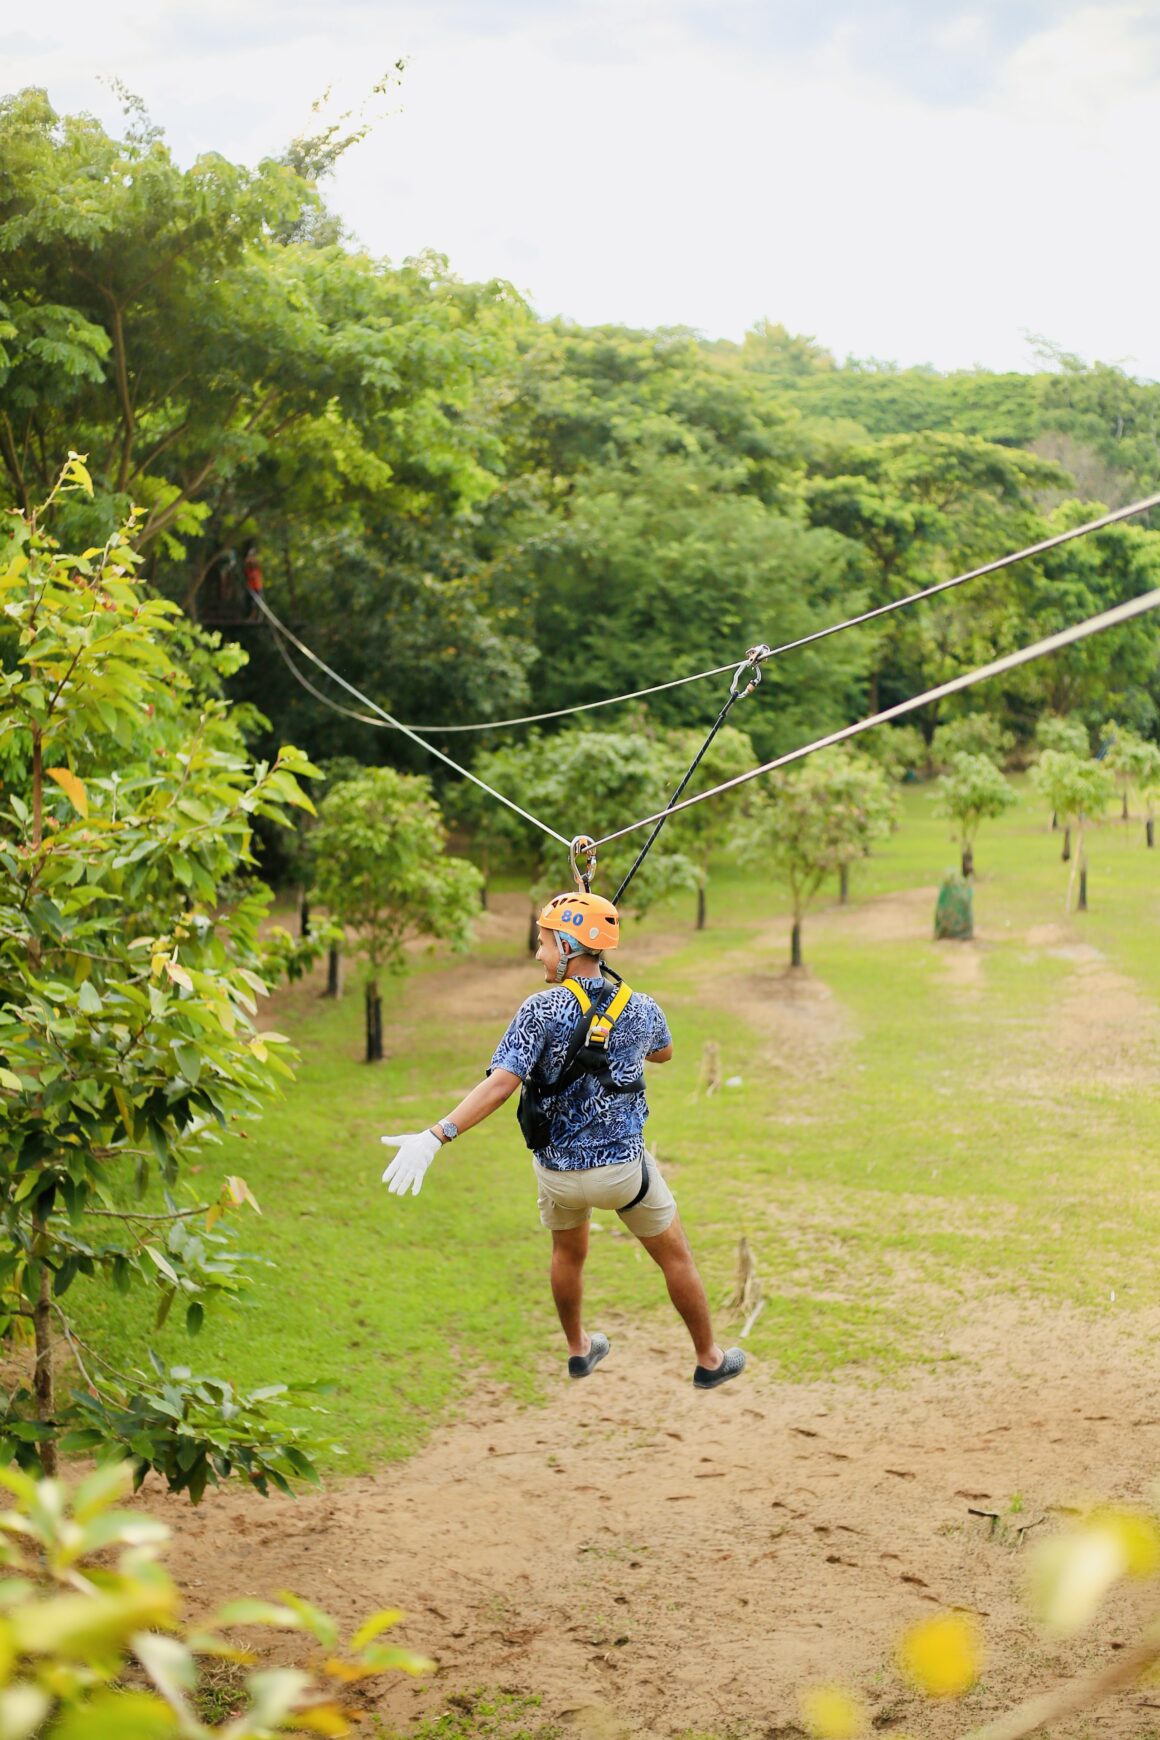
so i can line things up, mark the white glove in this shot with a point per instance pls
(406, 1170)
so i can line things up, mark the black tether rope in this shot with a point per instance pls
(693, 766)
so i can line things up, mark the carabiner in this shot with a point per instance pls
(751, 662)
(583, 845)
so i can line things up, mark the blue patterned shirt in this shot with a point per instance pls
(590, 1126)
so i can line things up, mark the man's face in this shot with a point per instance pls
(548, 954)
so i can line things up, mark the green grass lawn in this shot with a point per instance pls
(909, 1136)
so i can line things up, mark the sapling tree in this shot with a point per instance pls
(1149, 787)
(972, 792)
(810, 820)
(1067, 733)
(382, 869)
(977, 734)
(1063, 731)
(130, 968)
(1079, 792)
(1134, 763)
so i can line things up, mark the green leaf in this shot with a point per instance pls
(374, 1627)
(23, 1708)
(114, 1715)
(189, 1060)
(89, 999)
(163, 1263)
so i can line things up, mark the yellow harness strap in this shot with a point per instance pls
(580, 995)
(602, 1026)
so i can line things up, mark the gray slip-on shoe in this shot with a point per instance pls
(707, 1377)
(580, 1364)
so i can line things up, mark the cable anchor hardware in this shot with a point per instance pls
(583, 847)
(751, 662)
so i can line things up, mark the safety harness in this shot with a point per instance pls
(587, 1054)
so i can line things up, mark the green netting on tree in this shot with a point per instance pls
(953, 914)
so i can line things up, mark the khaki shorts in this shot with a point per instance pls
(568, 1198)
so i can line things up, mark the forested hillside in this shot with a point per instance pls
(473, 512)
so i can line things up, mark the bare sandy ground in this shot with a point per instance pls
(653, 1560)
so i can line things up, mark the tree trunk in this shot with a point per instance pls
(1083, 888)
(843, 884)
(373, 1007)
(1150, 831)
(533, 931)
(334, 972)
(1066, 853)
(1077, 864)
(43, 1384)
(304, 914)
(795, 944)
(968, 861)
(1124, 808)
(700, 906)
(1054, 821)
(483, 896)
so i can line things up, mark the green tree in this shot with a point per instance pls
(130, 968)
(1056, 731)
(1079, 792)
(1135, 763)
(925, 506)
(663, 566)
(381, 868)
(226, 366)
(811, 819)
(973, 791)
(585, 781)
(972, 734)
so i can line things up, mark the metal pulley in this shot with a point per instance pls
(751, 663)
(583, 847)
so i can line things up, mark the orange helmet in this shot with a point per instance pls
(588, 921)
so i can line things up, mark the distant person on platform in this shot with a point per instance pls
(252, 574)
(577, 1052)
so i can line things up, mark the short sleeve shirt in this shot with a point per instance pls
(589, 1126)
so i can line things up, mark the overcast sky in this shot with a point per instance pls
(920, 181)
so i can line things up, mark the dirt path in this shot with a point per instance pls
(669, 1561)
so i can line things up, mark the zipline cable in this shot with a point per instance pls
(736, 693)
(1052, 543)
(1010, 661)
(407, 730)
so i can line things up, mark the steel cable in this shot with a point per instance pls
(1010, 661)
(407, 730)
(879, 610)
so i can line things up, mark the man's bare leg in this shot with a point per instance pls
(670, 1251)
(569, 1250)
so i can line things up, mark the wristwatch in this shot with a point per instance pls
(450, 1130)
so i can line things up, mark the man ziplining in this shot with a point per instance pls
(577, 1052)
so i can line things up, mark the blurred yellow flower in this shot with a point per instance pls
(1138, 1536)
(942, 1656)
(832, 1714)
(1073, 1572)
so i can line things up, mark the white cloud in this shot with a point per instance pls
(617, 164)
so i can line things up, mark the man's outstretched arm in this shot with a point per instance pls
(417, 1150)
(485, 1098)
